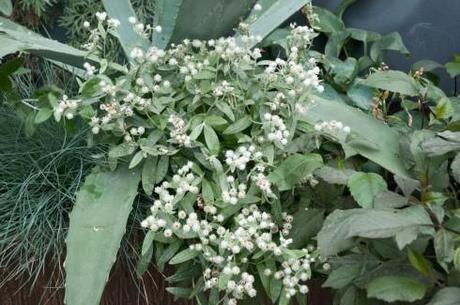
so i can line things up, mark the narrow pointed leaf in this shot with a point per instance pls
(128, 38)
(97, 225)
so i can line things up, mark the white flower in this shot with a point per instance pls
(113, 22)
(132, 20)
(86, 24)
(101, 16)
(257, 7)
(158, 29)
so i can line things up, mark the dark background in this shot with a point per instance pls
(429, 28)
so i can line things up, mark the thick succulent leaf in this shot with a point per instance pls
(97, 224)
(271, 17)
(374, 140)
(206, 19)
(166, 12)
(6, 7)
(128, 38)
(15, 38)
(396, 288)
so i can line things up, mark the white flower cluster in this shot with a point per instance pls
(241, 157)
(277, 131)
(332, 127)
(235, 192)
(90, 69)
(230, 249)
(222, 89)
(178, 132)
(66, 107)
(142, 29)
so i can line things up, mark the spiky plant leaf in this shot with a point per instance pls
(127, 37)
(15, 38)
(6, 7)
(166, 12)
(97, 225)
(204, 19)
(273, 16)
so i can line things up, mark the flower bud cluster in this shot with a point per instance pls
(178, 131)
(66, 107)
(332, 127)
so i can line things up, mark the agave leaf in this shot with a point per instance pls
(128, 38)
(207, 19)
(166, 12)
(382, 141)
(6, 7)
(272, 17)
(15, 38)
(97, 224)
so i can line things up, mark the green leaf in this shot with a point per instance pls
(419, 262)
(383, 141)
(306, 224)
(146, 254)
(394, 81)
(365, 187)
(238, 126)
(128, 38)
(446, 296)
(363, 35)
(180, 292)
(43, 114)
(453, 68)
(272, 17)
(390, 42)
(293, 169)
(137, 158)
(455, 167)
(166, 12)
(327, 22)
(342, 276)
(427, 65)
(444, 247)
(149, 174)
(6, 7)
(121, 150)
(457, 259)
(395, 288)
(97, 224)
(212, 141)
(342, 226)
(15, 38)
(183, 256)
(361, 96)
(444, 109)
(162, 169)
(444, 143)
(335, 44)
(388, 199)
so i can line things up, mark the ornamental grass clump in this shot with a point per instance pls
(214, 130)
